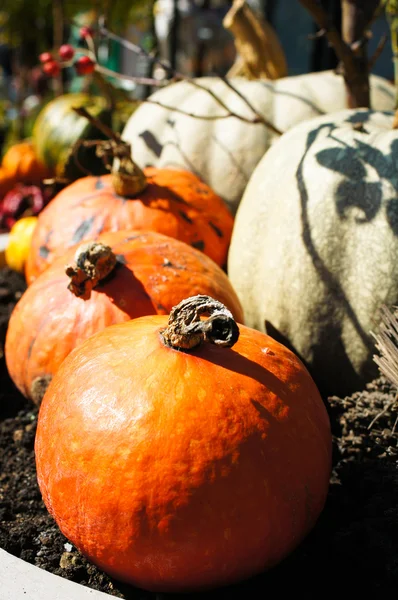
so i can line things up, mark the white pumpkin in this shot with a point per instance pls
(315, 243)
(224, 152)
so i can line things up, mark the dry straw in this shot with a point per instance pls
(387, 344)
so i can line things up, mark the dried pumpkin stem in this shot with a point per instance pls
(260, 54)
(128, 179)
(186, 330)
(93, 262)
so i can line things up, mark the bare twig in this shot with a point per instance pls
(139, 80)
(177, 76)
(354, 73)
(260, 117)
(75, 153)
(58, 32)
(356, 18)
(202, 117)
(377, 52)
(315, 36)
(391, 7)
(395, 426)
(382, 412)
(82, 112)
(323, 21)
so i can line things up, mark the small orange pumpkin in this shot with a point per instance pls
(175, 203)
(22, 164)
(133, 273)
(7, 182)
(177, 465)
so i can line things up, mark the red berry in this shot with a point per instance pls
(84, 65)
(52, 68)
(86, 32)
(66, 52)
(45, 57)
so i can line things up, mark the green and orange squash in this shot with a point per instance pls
(58, 128)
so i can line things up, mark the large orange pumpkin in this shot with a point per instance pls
(177, 469)
(22, 164)
(145, 273)
(175, 203)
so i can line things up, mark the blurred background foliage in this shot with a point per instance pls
(186, 33)
(29, 24)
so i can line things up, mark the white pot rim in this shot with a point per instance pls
(4, 237)
(19, 579)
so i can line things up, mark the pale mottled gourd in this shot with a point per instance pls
(315, 244)
(224, 152)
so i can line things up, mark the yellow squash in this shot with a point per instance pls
(19, 243)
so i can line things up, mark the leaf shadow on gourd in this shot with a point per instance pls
(331, 363)
(158, 148)
(204, 174)
(153, 144)
(355, 191)
(353, 163)
(294, 96)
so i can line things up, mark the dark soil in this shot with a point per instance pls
(352, 550)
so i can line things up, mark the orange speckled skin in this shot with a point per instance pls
(158, 272)
(182, 471)
(175, 203)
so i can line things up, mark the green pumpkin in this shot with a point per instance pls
(57, 129)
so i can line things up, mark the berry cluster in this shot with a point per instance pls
(83, 65)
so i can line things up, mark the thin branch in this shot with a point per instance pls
(249, 104)
(391, 8)
(378, 51)
(320, 16)
(382, 412)
(177, 76)
(82, 112)
(316, 36)
(395, 426)
(58, 32)
(139, 80)
(210, 117)
(138, 50)
(355, 76)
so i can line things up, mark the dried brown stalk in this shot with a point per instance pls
(82, 112)
(260, 53)
(387, 345)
